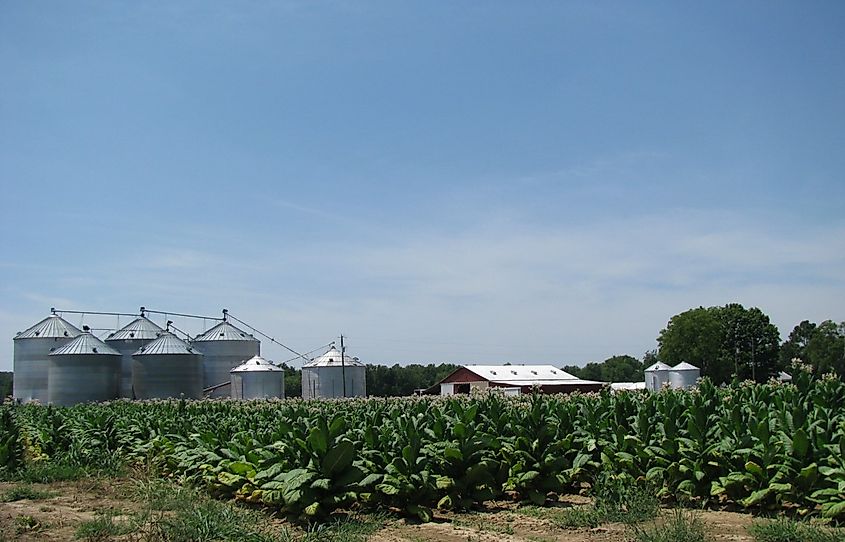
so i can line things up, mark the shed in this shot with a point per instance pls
(546, 378)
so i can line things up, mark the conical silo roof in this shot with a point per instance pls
(684, 366)
(166, 344)
(86, 344)
(224, 331)
(255, 365)
(140, 328)
(332, 359)
(659, 366)
(54, 326)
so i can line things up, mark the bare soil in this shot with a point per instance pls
(57, 518)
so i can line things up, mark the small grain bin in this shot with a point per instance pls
(324, 376)
(684, 375)
(127, 340)
(31, 361)
(257, 378)
(224, 347)
(656, 376)
(167, 367)
(84, 370)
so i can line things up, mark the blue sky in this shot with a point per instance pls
(440, 181)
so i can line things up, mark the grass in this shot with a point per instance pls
(19, 493)
(615, 501)
(26, 524)
(682, 526)
(787, 530)
(103, 528)
(47, 472)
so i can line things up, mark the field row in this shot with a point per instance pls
(753, 446)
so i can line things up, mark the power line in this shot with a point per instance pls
(269, 338)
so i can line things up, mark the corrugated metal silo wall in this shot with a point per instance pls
(683, 379)
(31, 365)
(220, 357)
(162, 376)
(328, 382)
(83, 378)
(127, 347)
(262, 384)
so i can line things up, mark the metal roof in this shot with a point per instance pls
(526, 373)
(85, 344)
(684, 366)
(139, 328)
(54, 326)
(332, 359)
(627, 385)
(254, 365)
(167, 343)
(224, 331)
(659, 366)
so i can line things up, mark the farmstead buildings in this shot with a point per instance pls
(513, 379)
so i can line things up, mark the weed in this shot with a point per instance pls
(26, 524)
(47, 472)
(787, 530)
(19, 493)
(101, 528)
(682, 526)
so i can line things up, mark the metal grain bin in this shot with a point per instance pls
(323, 376)
(127, 340)
(656, 376)
(84, 370)
(684, 375)
(31, 362)
(257, 378)
(224, 347)
(167, 367)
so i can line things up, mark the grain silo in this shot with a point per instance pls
(84, 370)
(324, 376)
(684, 375)
(224, 347)
(656, 376)
(167, 367)
(257, 378)
(31, 362)
(127, 340)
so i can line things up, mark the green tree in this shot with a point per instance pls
(5, 385)
(796, 345)
(622, 368)
(293, 381)
(723, 342)
(695, 336)
(750, 340)
(826, 350)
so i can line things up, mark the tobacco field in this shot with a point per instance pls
(748, 446)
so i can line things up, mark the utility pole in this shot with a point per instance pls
(753, 367)
(343, 364)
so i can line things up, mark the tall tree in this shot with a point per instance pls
(723, 342)
(796, 345)
(695, 336)
(826, 349)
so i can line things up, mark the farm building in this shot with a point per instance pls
(513, 379)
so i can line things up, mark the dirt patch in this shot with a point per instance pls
(58, 516)
(508, 525)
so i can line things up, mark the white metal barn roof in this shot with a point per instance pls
(256, 364)
(332, 359)
(526, 375)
